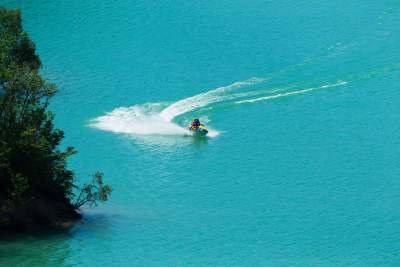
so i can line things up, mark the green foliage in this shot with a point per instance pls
(35, 184)
(93, 192)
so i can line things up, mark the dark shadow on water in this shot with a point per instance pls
(42, 248)
(52, 247)
(40, 233)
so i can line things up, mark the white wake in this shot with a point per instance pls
(201, 100)
(159, 118)
(140, 119)
(339, 83)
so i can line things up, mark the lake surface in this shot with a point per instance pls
(301, 167)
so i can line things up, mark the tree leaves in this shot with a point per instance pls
(34, 179)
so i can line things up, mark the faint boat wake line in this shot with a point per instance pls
(339, 83)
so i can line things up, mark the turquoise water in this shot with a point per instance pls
(302, 164)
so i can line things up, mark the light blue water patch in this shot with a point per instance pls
(302, 98)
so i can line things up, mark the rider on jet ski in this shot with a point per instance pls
(195, 124)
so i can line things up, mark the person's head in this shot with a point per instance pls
(196, 121)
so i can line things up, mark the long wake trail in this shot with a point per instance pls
(160, 118)
(303, 91)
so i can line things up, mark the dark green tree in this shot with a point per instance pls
(36, 187)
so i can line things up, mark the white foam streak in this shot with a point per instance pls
(139, 119)
(264, 98)
(205, 99)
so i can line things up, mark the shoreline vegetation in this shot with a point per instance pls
(37, 190)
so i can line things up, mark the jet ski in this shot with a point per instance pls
(197, 128)
(201, 130)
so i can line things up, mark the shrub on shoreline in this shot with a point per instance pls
(37, 190)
